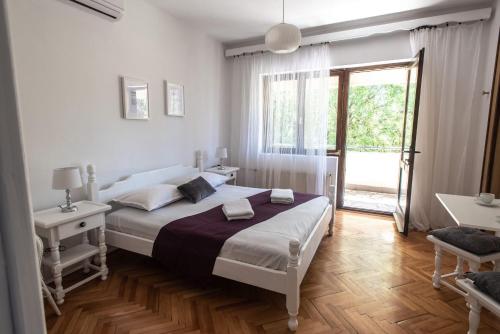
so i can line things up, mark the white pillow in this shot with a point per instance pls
(215, 180)
(151, 198)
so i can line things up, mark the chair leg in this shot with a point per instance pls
(436, 277)
(459, 270)
(474, 316)
(49, 297)
(496, 266)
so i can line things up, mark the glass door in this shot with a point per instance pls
(408, 150)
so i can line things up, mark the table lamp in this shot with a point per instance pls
(65, 179)
(221, 153)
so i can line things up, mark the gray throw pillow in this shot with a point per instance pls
(469, 239)
(196, 190)
(487, 282)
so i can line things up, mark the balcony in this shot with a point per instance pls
(371, 178)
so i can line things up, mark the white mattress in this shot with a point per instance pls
(264, 244)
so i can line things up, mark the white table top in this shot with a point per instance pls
(53, 217)
(465, 212)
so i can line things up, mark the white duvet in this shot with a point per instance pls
(264, 244)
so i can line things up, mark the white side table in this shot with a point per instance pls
(231, 172)
(54, 225)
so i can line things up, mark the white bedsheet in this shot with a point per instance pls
(264, 244)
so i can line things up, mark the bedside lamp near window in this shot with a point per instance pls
(65, 179)
(221, 154)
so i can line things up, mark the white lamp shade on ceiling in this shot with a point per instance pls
(283, 38)
(66, 178)
(221, 153)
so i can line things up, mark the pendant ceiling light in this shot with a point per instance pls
(283, 37)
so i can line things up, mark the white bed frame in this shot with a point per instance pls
(287, 283)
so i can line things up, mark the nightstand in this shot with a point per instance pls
(54, 226)
(230, 172)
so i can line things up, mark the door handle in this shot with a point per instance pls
(410, 151)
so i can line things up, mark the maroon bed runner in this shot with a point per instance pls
(190, 245)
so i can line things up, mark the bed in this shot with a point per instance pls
(273, 254)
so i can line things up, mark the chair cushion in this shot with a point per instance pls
(487, 282)
(469, 239)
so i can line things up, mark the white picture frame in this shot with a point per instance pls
(135, 94)
(174, 99)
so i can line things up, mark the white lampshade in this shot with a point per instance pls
(221, 153)
(283, 38)
(66, 178)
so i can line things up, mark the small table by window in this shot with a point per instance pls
(230, 172)
(465, 212)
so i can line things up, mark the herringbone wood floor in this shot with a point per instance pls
(365, 279)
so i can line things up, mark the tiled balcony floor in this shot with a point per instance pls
(367, 200)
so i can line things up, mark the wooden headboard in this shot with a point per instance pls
(138, 180)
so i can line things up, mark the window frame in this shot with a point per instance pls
(299, 147)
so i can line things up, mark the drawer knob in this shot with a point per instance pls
(83, 224)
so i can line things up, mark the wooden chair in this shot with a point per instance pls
(472, 259)
(45, 290)
(475, 301)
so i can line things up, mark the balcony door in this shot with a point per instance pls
(408, 147)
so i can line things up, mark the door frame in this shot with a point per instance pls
(403, 227)
(342, 121)
(490, 175)
(21, 297)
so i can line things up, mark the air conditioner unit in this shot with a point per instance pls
(111, 8)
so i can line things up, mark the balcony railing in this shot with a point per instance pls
(374, 148)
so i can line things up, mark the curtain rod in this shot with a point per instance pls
(267, 51)
(445, 24)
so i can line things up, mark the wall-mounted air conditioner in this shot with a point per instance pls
(111, 8)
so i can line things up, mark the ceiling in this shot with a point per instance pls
(234, 20)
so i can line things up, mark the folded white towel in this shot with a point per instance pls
(240, 209)
(282, 196)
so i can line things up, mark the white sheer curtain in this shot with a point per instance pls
(280, 105)
(447, 126)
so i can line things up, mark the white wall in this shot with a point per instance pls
(377, 48)
(68, 63)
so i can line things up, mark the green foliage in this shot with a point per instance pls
(332, 118)
(375, 116)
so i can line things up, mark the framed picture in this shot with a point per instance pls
(135, 99)
(174, 99)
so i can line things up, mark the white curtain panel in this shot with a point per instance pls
(447, 126)
(280, 106)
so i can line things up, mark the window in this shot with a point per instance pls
(291, 112)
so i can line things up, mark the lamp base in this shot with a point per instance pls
(69, 207)
(221, 164)
(72, 208)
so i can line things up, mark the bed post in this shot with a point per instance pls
(332, 195)
(92, 186)
(199, 161)
(292, 289)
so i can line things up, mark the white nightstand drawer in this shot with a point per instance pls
(80, 226)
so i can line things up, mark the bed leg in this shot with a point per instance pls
(293, 292)
(332, 194)
(330, 227)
